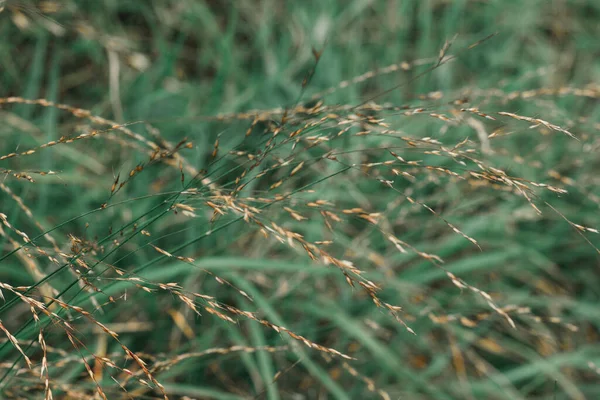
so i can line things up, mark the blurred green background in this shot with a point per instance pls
(173, 64)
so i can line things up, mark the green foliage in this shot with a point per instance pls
(264, 199)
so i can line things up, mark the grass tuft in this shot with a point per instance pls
(199, 201)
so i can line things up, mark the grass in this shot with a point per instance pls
(365, 199)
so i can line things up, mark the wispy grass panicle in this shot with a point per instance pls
(414, 230)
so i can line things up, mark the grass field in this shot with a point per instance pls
(300, 199)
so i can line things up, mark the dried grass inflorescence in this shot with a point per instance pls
(270, 181)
